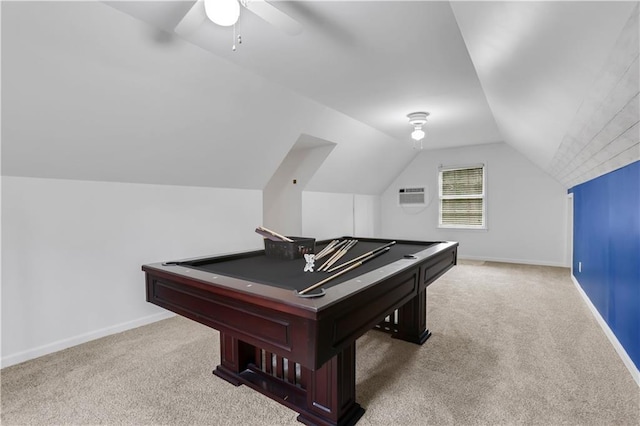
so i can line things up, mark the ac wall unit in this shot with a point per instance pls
(412, 197)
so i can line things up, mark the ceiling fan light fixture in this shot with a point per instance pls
(417, 120)
(222, 12)
(417, 135)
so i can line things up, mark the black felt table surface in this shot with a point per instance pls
(290, 274)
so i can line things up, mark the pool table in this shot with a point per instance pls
(296, 350)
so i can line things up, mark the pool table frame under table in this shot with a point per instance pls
(301, 351)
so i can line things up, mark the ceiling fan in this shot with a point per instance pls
(226, 12)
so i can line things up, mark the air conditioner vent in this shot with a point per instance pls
(411, 196)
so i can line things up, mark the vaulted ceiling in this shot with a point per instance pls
(108, 91)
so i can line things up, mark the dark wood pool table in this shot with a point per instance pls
(301, 351)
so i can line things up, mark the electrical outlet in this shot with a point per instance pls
(579, 266)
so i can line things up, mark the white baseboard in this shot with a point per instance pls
(82, 338)
(626, 359)
(522, 261)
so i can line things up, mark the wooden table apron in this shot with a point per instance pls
(301, 352)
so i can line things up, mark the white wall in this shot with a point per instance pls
(366, 212)
(329, 215)
(72, 252)
(282, 199)
(526, 208)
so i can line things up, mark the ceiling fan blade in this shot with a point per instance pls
(274, 16)
(192, 19)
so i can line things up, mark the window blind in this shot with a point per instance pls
(462, 197)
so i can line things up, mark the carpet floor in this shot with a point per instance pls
(511, 345)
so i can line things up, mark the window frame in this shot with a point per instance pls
(483, 197)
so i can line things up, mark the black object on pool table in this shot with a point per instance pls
(296, 249)
(302, 352)
(289, 248)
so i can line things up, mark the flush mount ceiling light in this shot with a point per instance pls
(222, 12)
(417, 120)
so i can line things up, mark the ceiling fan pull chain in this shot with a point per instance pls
(245, 4)
(239, 38)
(234, 38)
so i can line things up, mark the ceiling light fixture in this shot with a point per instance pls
(417, 120)
(222, 12)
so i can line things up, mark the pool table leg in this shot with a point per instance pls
(325, 397)
(331, 392)
(235, 356)
(412, 320)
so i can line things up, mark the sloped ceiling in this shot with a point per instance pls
(537, 61)
(107, 91)
(88, 94)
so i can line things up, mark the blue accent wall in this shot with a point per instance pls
(606, 239)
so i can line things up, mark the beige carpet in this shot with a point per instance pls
(511, 344)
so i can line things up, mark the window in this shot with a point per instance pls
(462, 197)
